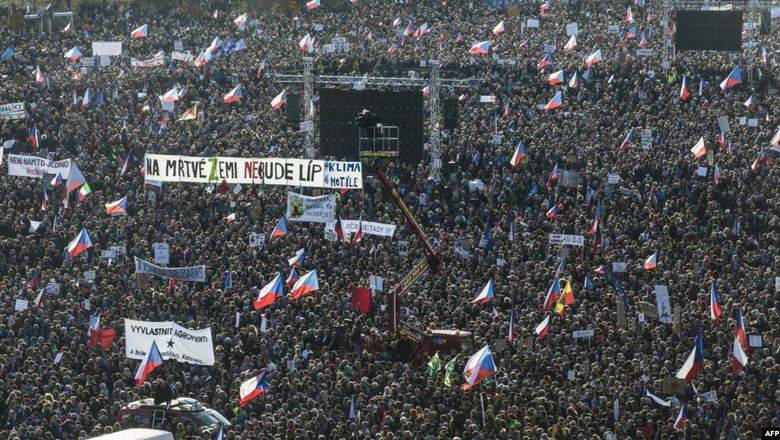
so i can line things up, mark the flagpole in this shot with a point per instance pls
(482, 403)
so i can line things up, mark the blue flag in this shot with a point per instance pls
(7, 54)
(228, 280)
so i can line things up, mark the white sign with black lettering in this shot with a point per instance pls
(20, 305)
(162, 253)
(174, 341)
(579, 334)
(256, 240)
(619, 266)
(646, 138)
(376, 283)
(662, 304)
(567, 240)
(403, 248)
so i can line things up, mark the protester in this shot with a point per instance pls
(333, 372)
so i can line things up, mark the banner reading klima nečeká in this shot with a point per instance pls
(190, 273)
(258, 171)
(174, 341)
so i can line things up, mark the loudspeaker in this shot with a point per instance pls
(449, 112)
(709, 30)
(293, 105)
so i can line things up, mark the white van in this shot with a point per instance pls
(136, 434)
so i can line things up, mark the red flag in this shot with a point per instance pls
(361, 299)
(104, 338)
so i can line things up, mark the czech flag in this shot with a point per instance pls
(630, 34)
(739, 330)
(555, 78)
(292, 278)
(600, 270)
(409, 31)
(81, 243)
(734, 78)
(716, 173)
(203, 58)
(629, 138)
(645, 40)
(306, 42)
(56, 180)
(190, 114)
(140, 32)
(545, 7)
(256, 385)
(479, 367)
(75, 178)
(499, 29)
(32, 135)
(73, 54)
(561, 267)
(750, 101)
(519, 155)
(240, 20)
(68, 29)
(170, 96)
(392, 49)
(234, 95)
(553, 176)
(280, 230)
(397, 21)
(152, 360)
(298, 258)
(481, 48)
(339, 229)
(574, 82)
(684, 91)
(553, 212)
(279, 100)
(424, 29)
(738, 356)
(552, 294)
(313, 4)
(596, 220)
(629, 17)
(651, 262)
(679, 422)
(715, 310)
(39, 78)
(593, 58)
(571, 44)
(459, 38)
(231, 217)
(486, 295)
(658, 400)
(511, 335)
(555, 102)
(269, 293)
(87, 99)
(548, 60)
(117, 208)
(694, 363)
(543, 328)
(306, 284)
(426, 91)
(216, 43)
(359, 233)
(776, 139)
(699, 149)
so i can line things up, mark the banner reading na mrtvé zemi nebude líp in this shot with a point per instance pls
(257, 171)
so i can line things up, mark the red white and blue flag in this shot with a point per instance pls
(738, 356)
(254, 386)
(479, 367)
(555, 102)
(279, 100)
(552, 294)
(234, 95)
(571, 44)
(543, 327)
(359, 233)
(555, 78)
(548, 60)
(519, 155)
(734, 78)
(715, 310)
(298, 258)
(269, 293)
(74, 54)
(306, 284)
(39, 78)
(553, 176)
(695, 361)
(81, 243)
(481, 48)
(32, 135)
(627, 141)
(313, 4)
(679, 422)
(700, 149)
(486, 295)
(140, 32)
(117, 208)
(152, 360)
(280, 230)
(499, 29)
(292, 278)
(339, 229)
(651, 262)
(739, 330)
(593, 58)
(511, 335)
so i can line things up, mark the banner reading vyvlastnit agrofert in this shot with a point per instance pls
(258, 171)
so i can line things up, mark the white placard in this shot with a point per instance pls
(34, 166)
(20, 305)
(752, 122)
(182, 56)
(174, 341)
(259, 171)
(151, 62)
(755, 341)
(662, 304)
(777, 284)
(549, 48)
(579, 334)
(709, 396)
(256, 240)
(369, 228)
(644, 52)
(532, 23)
(646, 138)
(572, 29)
(87, 304)
(90, 275)
(376, 283)
(640, 317)
(403, 248)
(701, 171)
(106, 48)
(106, 253)
(570, 375)
(566, 240)
(487, 98)
(619, 266)
(58, 358)
(742, 120)
(318, 28)
(613, 29)
(177, 45)
(613, 179)
(302, 208)
(119, 250)
(162, 253)
(14, 110)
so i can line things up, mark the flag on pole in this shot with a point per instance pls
(74, 54)
(84, 191)
(734, 78)
(117, 208)
(280, 230)
(651, 262)
(297, 259)
(228, 283)
(679, 422)
(269, 293)
(279, 100)
(486, 295)
(700, 149)
(253, 387)
(555, 102)
(571, 44)
(552, 294)
(81, 243)
(548, 60)
(140, 32)
(543, 327)
(555, 78)
(234, 95)
(519, 155)
(190, 114)
(32, 135)
(313, 4)
(695, 361)
(658, 400)
(479, 367)
(481, 48)
(593, 58)
(684, 90)
(715, 310)
(449, 369)
(511, 335)
(152, 360)
(306, 284)
(738, 356)
(499, 29)
(434, 365)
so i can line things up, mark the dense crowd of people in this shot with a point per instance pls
(322, 356)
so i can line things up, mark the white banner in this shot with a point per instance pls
(34, 166)
(192, 273)
(567, 240)
(182, 56)
(152, 62)
(14, 110)
(369, 228)
(106, 48)
(302, 208)
(259, 171)
(663, 304)
(174, 341)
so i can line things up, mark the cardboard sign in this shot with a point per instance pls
(648, 310)
(53, 289)
(487, 98)
(701, 171)
(709, 396)
(106, 253)
(90, 275)
(777, 284)
(613, 29)
(119, 250)
(753, 122)
(532, 23)
(723, 124)
(570, 375)
(21, 305)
